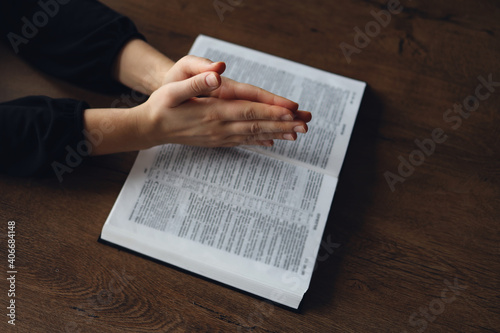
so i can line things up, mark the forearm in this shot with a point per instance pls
(111, 131)
(141, 67)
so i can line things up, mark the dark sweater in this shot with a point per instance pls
(74, 40)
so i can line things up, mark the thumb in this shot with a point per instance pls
(199, 85)
(190, 66)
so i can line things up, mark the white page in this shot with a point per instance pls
(207, 211)
(333, 100)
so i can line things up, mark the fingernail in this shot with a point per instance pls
(287, 117)
(288, 136)
(300, 129)
(212, 80)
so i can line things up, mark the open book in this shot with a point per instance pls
(249, 217)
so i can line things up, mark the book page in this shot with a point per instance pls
(333, 101)
(230, 214)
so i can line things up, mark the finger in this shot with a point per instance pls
(265, 143)
(264, 130)
(255, 94)
(201, 84)
(191, 65)
(238, 110)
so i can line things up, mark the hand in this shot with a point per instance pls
(232, 114)
(230, 89)
(190, 66)
(143, 68)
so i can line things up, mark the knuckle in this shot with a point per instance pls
(249, 113)
(278, 128)
(214, 114)
(215, 137)
(196, 86)
(277, 111)
(283, 127)
(255, 128)
(260, 92)
(248, 139)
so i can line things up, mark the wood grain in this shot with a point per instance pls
(398, 251)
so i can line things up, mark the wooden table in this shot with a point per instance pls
(422, 256)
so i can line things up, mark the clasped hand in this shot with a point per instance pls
(199, 107)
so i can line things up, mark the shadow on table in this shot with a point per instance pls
(352, 197)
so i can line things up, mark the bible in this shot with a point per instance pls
(248, 217)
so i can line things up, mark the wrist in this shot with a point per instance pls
(145, 126)
(114, 130)
(157, 73)
(141, 67)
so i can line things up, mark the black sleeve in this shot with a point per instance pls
(74, 40)
(40, 134)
